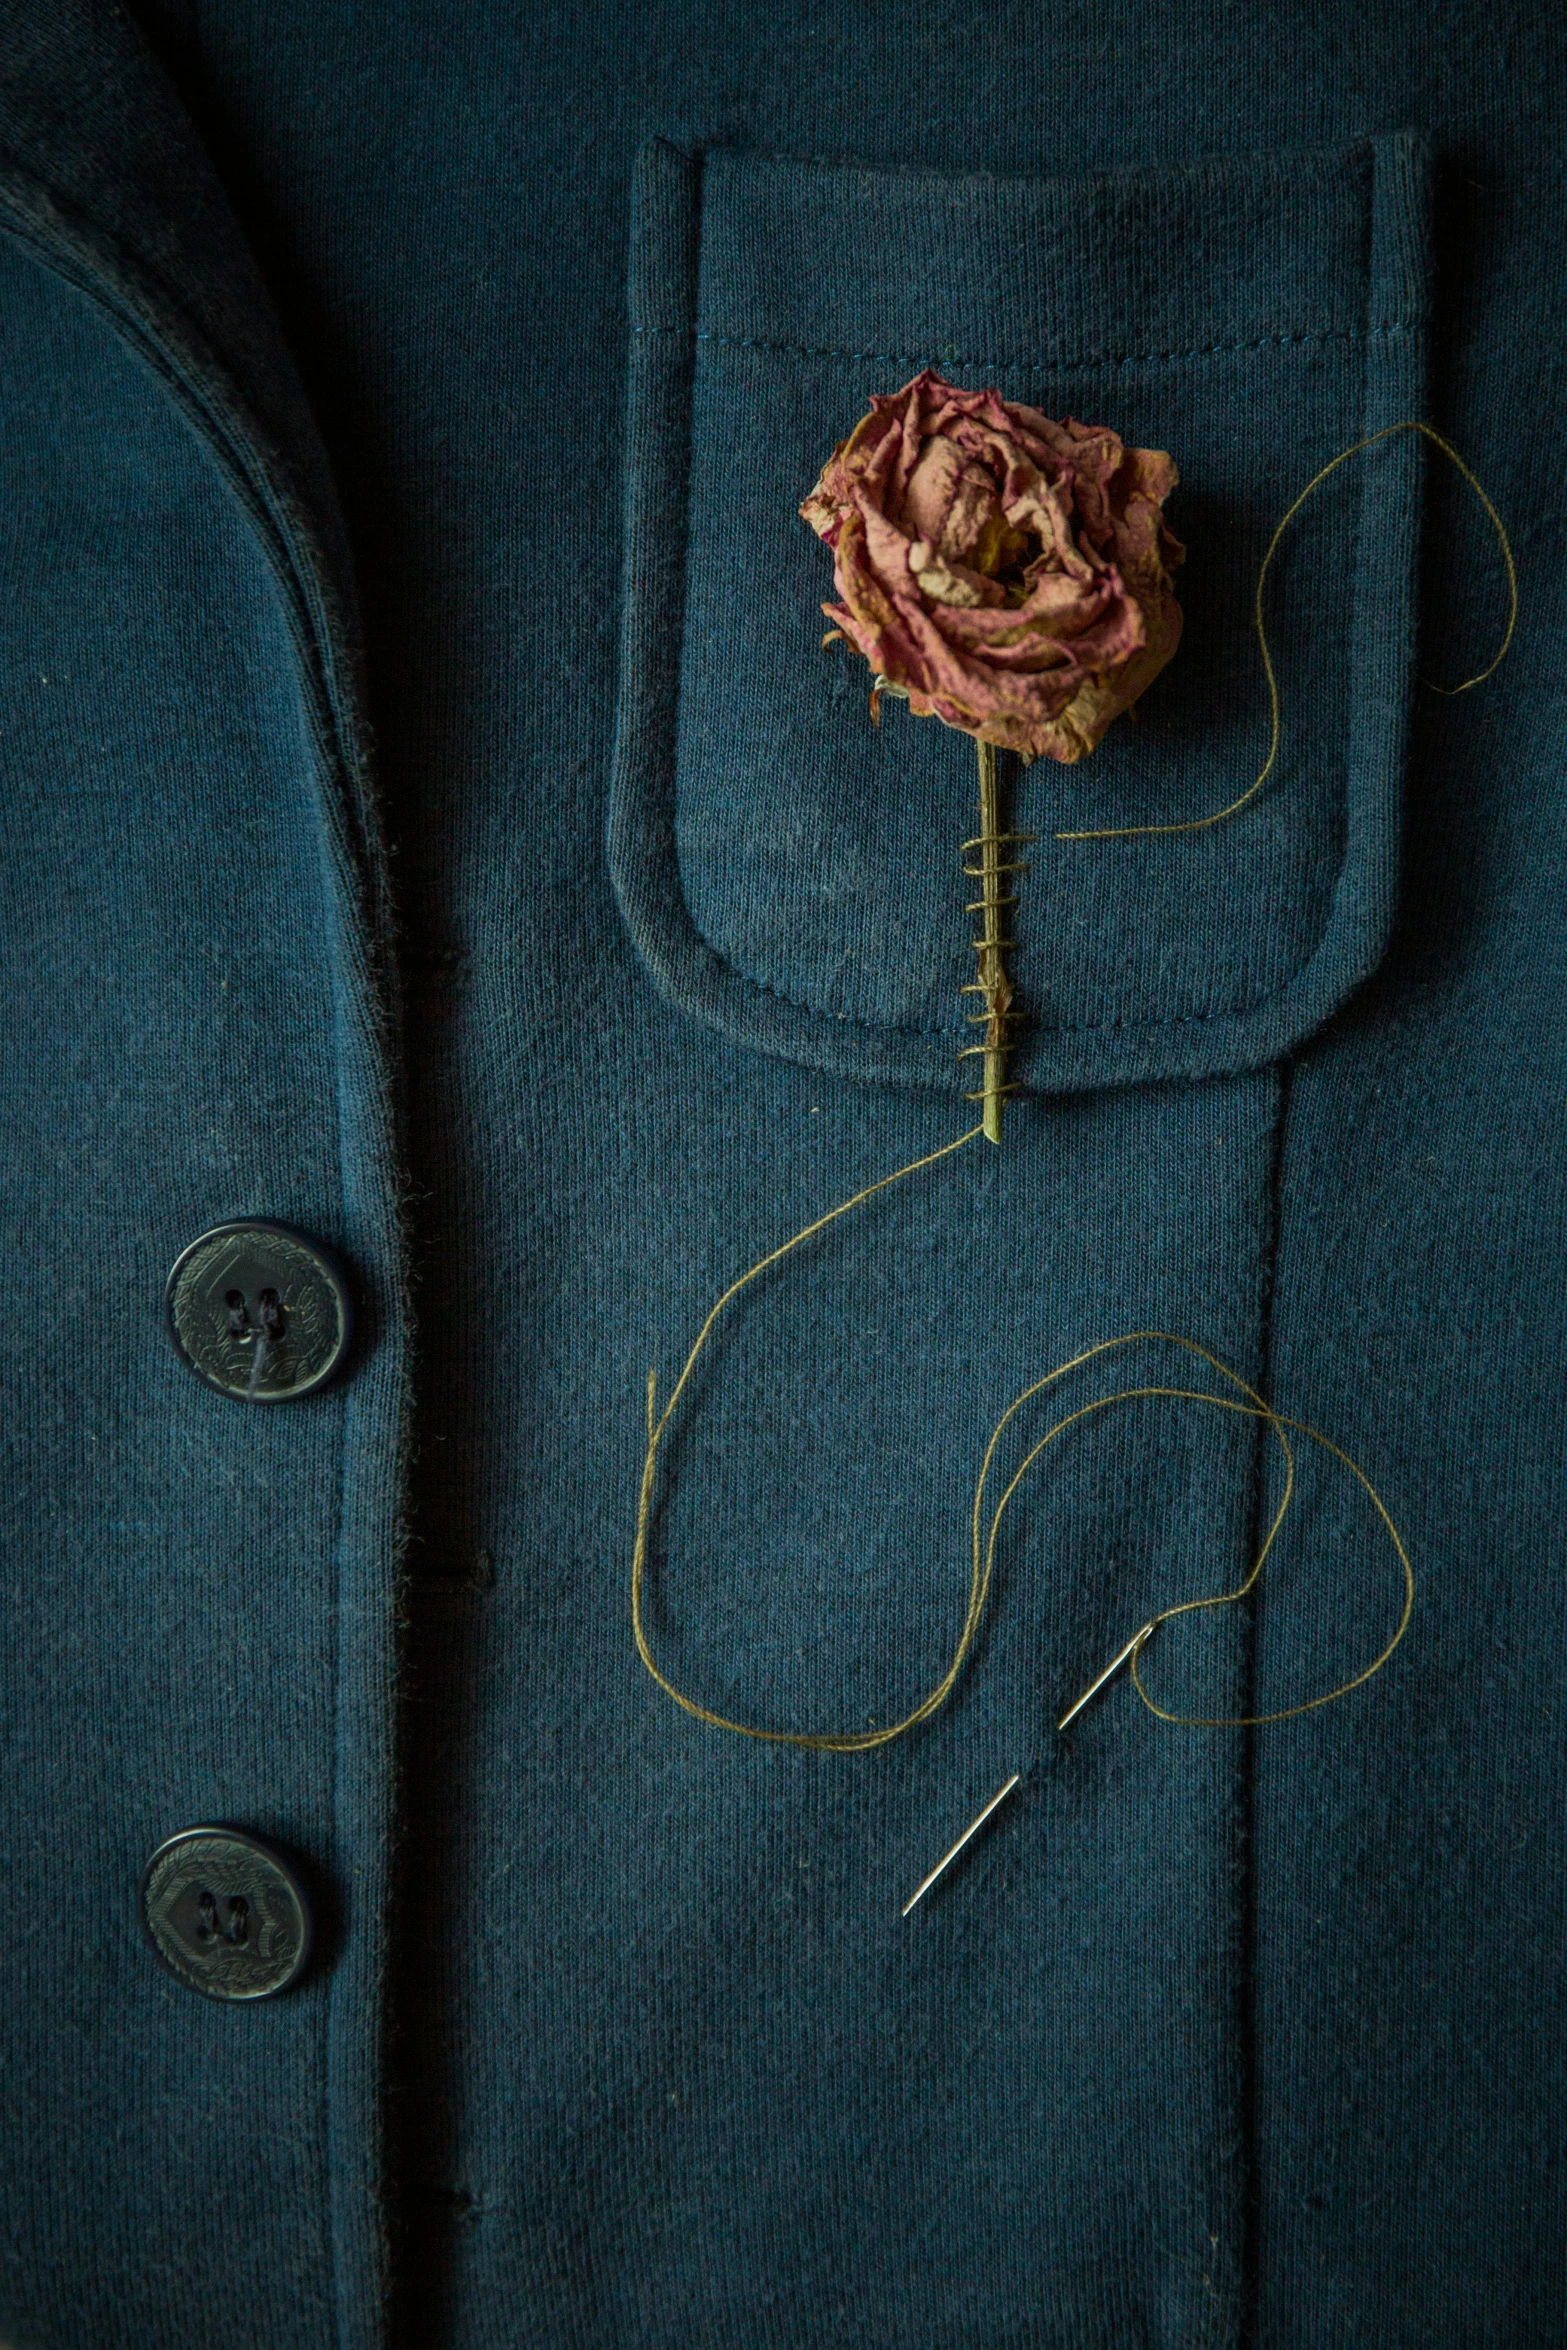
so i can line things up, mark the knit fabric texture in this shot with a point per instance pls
(431, 819)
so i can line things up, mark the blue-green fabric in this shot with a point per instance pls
(430, 818)
(752, 820)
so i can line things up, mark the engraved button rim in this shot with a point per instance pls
(323, 1263)
(171, 1954)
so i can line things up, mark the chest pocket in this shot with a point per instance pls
(790, 872)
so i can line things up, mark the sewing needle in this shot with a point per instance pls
(969, 1832)
(1109, 1673)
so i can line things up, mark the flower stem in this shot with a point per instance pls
(992, 943)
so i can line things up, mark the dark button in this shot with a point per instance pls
(260, 1311)
(226, 1914)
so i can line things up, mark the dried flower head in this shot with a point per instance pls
(1010, 575)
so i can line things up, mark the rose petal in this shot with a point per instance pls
(1010, 573)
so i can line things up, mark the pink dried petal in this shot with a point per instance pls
(1009, 573)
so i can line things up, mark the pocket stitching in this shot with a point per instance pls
(656, 908)
(1241, 1010)
(1380, 328)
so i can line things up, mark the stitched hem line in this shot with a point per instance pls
(1378, 330)
(957, 1036)
(1281, 342)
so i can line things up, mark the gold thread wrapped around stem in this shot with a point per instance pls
(994, 984)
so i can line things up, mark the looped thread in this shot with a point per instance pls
(1246, 1400)
(1275, 722)
(994, 986)
(657, 1424)
(1254, 1407)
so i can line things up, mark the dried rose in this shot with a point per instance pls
(1008, 574)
